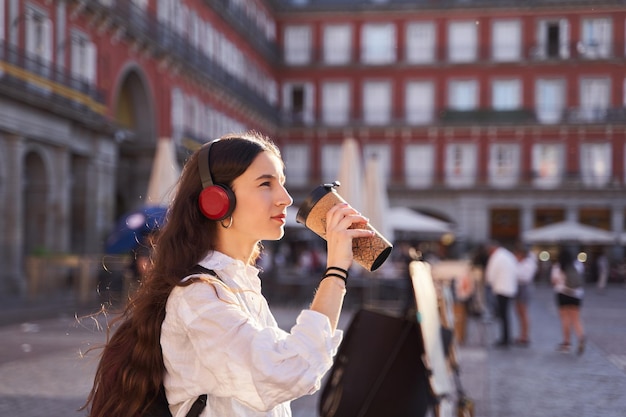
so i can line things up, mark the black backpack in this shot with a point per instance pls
(573, 279)
(160, 407)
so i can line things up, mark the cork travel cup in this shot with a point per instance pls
(369, 252)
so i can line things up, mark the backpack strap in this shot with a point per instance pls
(200, 404)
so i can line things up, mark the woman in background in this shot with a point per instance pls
(569, 300)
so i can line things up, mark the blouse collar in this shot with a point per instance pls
(232, 270)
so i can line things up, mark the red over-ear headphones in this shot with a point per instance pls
(216, 201)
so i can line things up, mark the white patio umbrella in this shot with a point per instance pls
(376, 198)
(164, 175)
(351, 174)
(569, 231)
(406, 220)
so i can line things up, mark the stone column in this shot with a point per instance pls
(13, 276)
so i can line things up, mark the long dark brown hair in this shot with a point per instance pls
(130, 372)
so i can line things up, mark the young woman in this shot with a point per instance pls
(199, 324)
(568, 301)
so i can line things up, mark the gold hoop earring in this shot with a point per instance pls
(229, 224)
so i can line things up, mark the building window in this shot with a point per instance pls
(504, 164)
(506, 95)
(297, 163)
(462, 41)
(83, 63)
(377, 102)
(506, 39)
(460, 165)
(335, 103)
(420, 42)
(595, 163)
(547, 165)
(419, 165)
(594, 99)
(596, 38)
(552, 39)
(2, 21)
(298, 102)
(378, 43)
(463, 95)
(550, 100)
(383, 154)
(177, 114)
(331, 160)
(38, 35)
(337, 44)
(419, 102)
(297, 42)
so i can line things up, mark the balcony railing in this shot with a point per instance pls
(457, 55)
(31, 78)
(352, 5)
(447, 117)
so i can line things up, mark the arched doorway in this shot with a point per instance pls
(35, 198)
(134, 113)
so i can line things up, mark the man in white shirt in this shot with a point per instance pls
(500, 274)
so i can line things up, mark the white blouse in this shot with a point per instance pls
(219, 338)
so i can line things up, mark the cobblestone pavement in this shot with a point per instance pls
(44, 370)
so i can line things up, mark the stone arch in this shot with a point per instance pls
(134, 112)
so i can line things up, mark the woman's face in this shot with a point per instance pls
(262, 200)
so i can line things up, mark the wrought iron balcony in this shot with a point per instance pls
(132, 22)
(30, 78)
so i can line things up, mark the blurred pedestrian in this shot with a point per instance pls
(526, 270)
(569, 298)
(602, 266)
(199, 326)
(501, 274)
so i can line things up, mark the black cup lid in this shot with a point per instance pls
(315, 196)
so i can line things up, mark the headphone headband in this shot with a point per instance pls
(204, 165)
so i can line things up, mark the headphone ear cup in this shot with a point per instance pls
(217, 202)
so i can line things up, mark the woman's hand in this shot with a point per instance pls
(339, 236)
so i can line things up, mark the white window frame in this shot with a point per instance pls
(308, 101)
(419, 103)
(38, 34)
(506, 94)
(297, 42)
(504, 164)
(540, 51)
(337, 44)
(378, 43)
(595, 98)
(377, 102)
(331, 160)
(506, 38)
(83, 57)
(336, 102)
(419, 165)
(420, 42)
(548, 164)
(383, 153)
(463, 94)
(462, 41)
(550, 100)
(461, 165)
(596, 37)
(297, 159)
(596, 164)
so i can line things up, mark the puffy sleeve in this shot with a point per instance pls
(212, 343)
